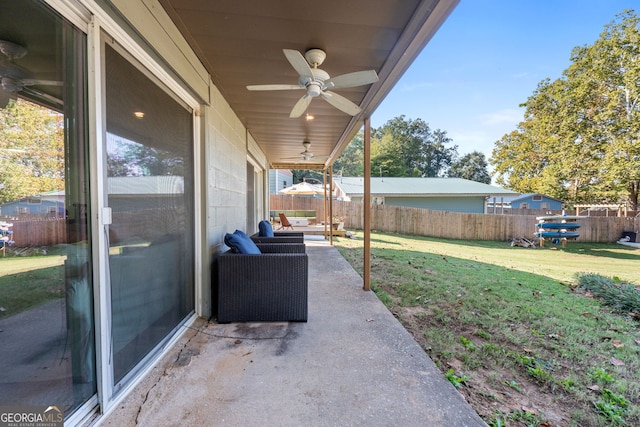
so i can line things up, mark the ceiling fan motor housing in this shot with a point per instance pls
(315, 84)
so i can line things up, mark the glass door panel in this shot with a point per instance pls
(149, 149)
(47, 356)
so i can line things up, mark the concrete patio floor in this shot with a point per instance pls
(351, 364)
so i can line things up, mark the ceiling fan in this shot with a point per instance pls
(307, 155)
(14, 78)
(317, 82)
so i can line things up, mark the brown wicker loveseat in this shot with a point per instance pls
(268, 287)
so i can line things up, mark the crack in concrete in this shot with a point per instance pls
(177, 362)
(146, 397)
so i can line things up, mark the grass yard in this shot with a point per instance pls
(509, 327)
(28, 281)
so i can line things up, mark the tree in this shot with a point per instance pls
(32, 150)
(351, 160)
(301, 175)
(472, 166)
(579, 137)
(410, 148)
(400, 148)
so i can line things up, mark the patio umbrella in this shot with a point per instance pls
(303, 188)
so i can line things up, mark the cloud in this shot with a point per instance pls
(508, 116)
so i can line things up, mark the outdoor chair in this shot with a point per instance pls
(268, 287)
(284, 222)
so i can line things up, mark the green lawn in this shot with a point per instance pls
(29, 281)
(508, 327)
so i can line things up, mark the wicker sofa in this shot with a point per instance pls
(267, 287)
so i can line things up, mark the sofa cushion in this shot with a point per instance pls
(265, 229)
(241, 243)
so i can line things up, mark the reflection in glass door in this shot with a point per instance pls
(47, 355)
(149, 149)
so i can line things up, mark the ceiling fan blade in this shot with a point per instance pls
(300, 107)
(357, 78)
(31, 82)
(298, 62)
(9, 69)
(341, 103)
(274, 87)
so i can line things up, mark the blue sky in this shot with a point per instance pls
(487, 58)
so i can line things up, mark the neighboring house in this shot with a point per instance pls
(444, 194)
(528, 201)
(279, 179)
(50, 204)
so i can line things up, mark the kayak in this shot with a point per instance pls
(558, 225)
(557, 234)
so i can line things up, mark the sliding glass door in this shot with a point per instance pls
(150, 169)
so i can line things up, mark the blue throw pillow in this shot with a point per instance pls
(265, 229)
(241, 243)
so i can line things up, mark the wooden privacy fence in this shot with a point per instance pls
(28, 233)
(453, 225)
(143, 224)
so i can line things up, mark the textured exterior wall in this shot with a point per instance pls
(226, 163)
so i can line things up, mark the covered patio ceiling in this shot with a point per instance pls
(241, 43)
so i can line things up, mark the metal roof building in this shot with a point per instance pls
(448, 194)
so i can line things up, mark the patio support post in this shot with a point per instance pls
(324, 211)
(330, 205)
(366, 205)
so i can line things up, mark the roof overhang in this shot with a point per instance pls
(240, 43)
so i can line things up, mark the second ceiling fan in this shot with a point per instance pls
(317, 82)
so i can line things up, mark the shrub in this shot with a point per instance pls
(622, 296)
